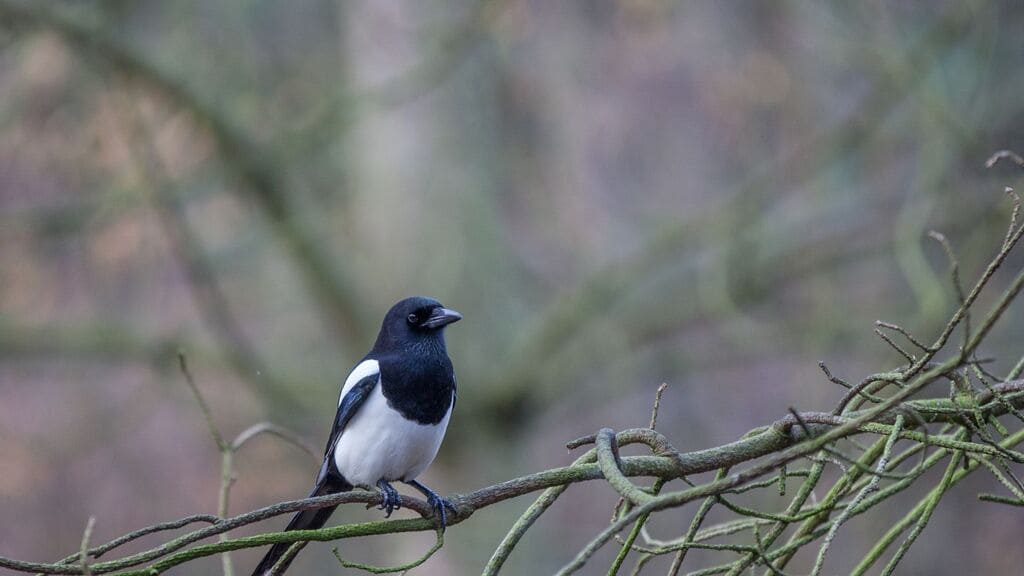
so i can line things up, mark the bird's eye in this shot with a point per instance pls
(412, 318)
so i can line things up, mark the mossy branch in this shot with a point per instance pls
(783, 435)
(886, 405)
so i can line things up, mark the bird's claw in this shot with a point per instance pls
(391, 500)
(441, 506)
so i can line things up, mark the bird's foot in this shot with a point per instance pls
(391, 500)
(440, 504)
(441, 507)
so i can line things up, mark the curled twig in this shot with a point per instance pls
(608, 460)
(438, 543)
(1004, 154)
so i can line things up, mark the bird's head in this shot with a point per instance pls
(415, 319)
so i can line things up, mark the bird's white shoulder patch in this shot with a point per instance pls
(362, 370)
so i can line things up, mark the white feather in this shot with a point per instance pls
(362, 370)
(379, 443)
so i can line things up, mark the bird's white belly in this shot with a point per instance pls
(378, 443)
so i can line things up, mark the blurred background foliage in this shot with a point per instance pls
(615, 194)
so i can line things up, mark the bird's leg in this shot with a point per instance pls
(439, 504)
(391, 500)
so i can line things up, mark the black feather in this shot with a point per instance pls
(305, 520)
(328, 481)
(347, 408)
(420, 385)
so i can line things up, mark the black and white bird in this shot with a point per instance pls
(392, 415)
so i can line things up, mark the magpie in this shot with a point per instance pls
(392, 415)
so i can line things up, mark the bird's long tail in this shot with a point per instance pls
(304, 520)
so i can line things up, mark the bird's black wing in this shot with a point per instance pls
(347, 408)
(328, 481)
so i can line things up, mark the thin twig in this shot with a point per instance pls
(438, 543)
(892, 344)
(274, 430)
(870, 487)
(211, 426)
(926, 514)
(83, 549)
(954, 275)
(1004, 154)
(657, 404)
(906, 334)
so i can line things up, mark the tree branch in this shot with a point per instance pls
(780, 435)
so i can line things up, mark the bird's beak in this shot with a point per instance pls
(442, 317)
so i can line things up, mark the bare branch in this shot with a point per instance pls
(83, 556)
(1007, 154)
(211, 426)
(438, 543)
(657, 404)
(278, 431)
